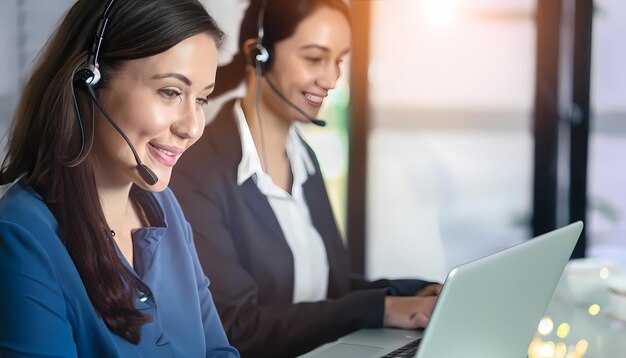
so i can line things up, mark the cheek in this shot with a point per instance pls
(145, 119)
(291, 73)
(301, 74)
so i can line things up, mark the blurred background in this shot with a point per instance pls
(460, 127)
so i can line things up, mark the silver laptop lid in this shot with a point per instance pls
(491, 307)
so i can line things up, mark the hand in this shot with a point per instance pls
(409, 312)
(430, 290)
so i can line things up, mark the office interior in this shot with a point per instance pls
(458, 128)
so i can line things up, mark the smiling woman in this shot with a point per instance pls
(159, 108)
(94, 253)
(254, 194)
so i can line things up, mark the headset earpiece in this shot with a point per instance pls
(260, 54)
(87, 74)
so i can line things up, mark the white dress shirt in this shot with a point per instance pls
(307, 248)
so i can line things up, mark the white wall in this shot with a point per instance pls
(24, 28)
(8, 47)
(420, 60)
(609, 56)
(450, 154)
(228, 15)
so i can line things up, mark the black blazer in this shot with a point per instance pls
(245, 255)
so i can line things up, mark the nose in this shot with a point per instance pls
(190, 123)
(329, 76)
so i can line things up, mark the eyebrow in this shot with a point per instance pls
(322, 48)
(181, 78)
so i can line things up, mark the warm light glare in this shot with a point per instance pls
(440, 12)
(594, 309)
(560, 350)
(581, 347)
(604, 273)
(547, 350)
(545, 326)
(535, 347)
(562, 330)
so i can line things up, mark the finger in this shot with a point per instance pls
(426, 291)
(430, 290)
(421, 317)
(427, 305)
(419, 320)
(437, 289)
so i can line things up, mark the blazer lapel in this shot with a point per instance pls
(313, 194)
(227, 144)
(260, 206)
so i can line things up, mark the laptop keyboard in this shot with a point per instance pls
(407, 350)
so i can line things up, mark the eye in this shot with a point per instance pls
(313, 60)
(170, 93)
(203, 101)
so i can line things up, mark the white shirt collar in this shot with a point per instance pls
(250, 164)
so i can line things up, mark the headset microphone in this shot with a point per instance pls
(146, 173)
(260, 57)
(316, 121)
(89, 75)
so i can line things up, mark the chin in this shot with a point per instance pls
(156, 188)
(299, 118)
(161, 184)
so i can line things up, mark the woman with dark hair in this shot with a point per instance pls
(253, 192)
(96, 257)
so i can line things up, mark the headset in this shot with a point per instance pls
(260, 56)
(89, 75)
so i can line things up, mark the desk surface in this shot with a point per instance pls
(569, 330)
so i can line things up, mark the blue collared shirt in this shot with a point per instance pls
(44, 307)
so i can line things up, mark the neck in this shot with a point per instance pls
(114, 198)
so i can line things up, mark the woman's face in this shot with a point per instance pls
(306, 65)
(157, 102)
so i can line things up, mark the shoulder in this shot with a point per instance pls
(29, 239)
(22, 207)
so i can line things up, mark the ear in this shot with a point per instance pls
(248, 46)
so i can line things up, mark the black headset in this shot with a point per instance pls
(88, 75)
(260, 57)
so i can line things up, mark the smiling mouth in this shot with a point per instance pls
(165, 155)
(313, 100)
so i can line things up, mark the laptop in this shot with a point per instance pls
(487, 308)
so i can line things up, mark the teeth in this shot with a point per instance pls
(316, 99)
(166, 152)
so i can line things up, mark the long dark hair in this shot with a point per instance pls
(45, 135)
(279, 22)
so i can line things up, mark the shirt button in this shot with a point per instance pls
(142, 297)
